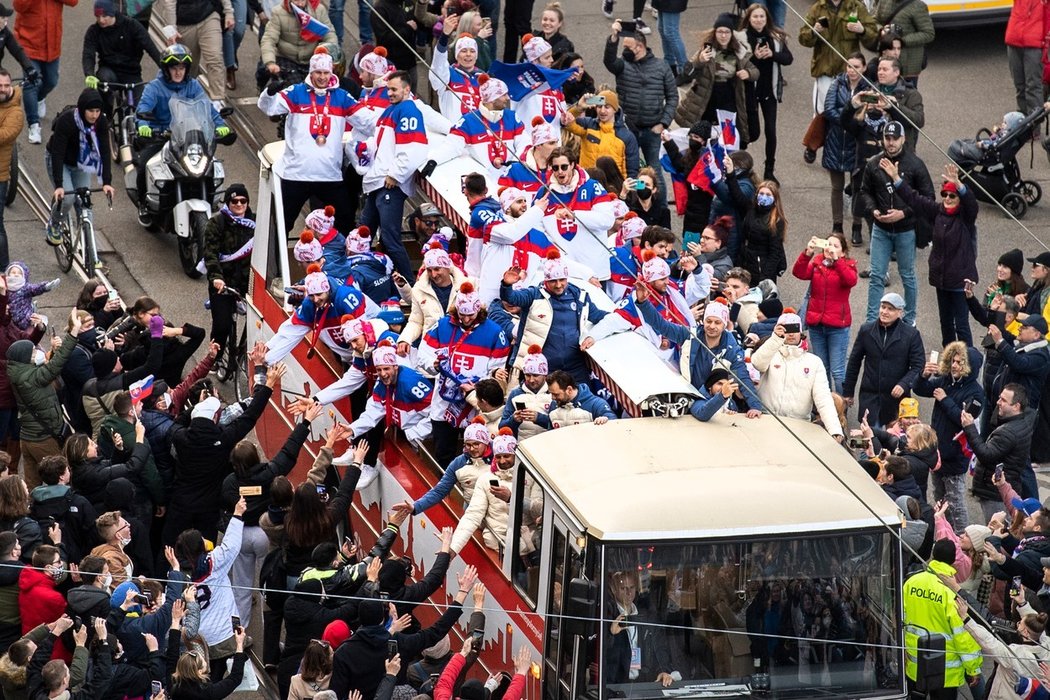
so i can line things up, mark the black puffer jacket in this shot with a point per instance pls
(877, 192)
(646, 88)
(91, 478)
(922, 462)
(953, 257)
(761, 247)
(1010, 445)
(946, 412)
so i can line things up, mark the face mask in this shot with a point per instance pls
(57, 573)
(38, 357)
(108, 581)
(645, 193)
(168, 399)
(695, 146)
(764, 200)
(628, 55)
(125, 541)
(495, 114)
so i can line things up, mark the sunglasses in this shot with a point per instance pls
(949, 195)
(563, 166)
(238, 200)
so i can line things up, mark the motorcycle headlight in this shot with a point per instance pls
(195, 161)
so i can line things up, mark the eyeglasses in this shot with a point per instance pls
(949, 195)
(433, 223)
(238, 200)
(708, 238)
(563, 167)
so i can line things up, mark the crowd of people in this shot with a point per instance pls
(137, 516)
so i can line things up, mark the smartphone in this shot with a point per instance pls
(626, 622)
(761, 41)
(968, 285)
(51, 330)
(856, 442)
(595, 101)
(824, 22)
(934, 357)
(1015, 586)
(142, 598)
(235, 622)
(519, 404)
(391, 648)
(820, 243)
(629, 27)
(493, 482)
(477, 638)
(708, 45)
(869, 99)
(154, 688)
(322, 493)
(77, 623)
(792, 328)
(462, 183)
(974, 407)
(639, 185)
(998, 471)
(113, 295)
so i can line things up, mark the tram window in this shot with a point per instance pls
(529, 532)
(819, 611)
(570, 630)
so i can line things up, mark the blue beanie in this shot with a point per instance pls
(121, 592)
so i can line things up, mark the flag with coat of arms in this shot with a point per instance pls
(310, 29)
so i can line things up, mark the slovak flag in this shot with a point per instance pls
(727, 131)
(142, 388)
(707, 172)
(523, 79)
(627, 310)
(310, 29)
(535, 242)
(964, 447)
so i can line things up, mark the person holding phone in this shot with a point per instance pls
(770, 54)
(635, 652)
(607, 134)
(489, 506)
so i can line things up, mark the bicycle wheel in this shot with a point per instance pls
(64, 250)
(240, 379)
(12, 184)
(87, 235)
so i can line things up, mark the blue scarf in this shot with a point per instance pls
(239, 220)
(89, 159)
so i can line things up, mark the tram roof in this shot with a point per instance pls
(665, 479)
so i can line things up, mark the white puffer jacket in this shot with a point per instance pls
(793, 382)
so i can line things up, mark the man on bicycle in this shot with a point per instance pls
(228, 241)
(79, 148)
(173, 80)
(113, 48)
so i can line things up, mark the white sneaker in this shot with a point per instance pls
(368, 475)
(41, 108)
(34, 133)
(642, 27)
(607, 8)
(344, 459)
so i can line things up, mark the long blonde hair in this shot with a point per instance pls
(190, 668)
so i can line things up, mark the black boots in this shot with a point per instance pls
(857, 237)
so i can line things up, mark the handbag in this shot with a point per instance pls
(815, 133)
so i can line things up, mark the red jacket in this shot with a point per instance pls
(38, 27)
(447, 681)
(1028, 22)
(40, 603)
(829, 289)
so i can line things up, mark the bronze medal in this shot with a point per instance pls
(321, 140)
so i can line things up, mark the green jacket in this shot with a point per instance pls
(914, 20)
(150, 476)
(825, 61)
(39, 409)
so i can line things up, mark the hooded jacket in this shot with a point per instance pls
(12, 119)
(38, 599)
(64, 144)
(612, 139)
(39, 409)
(73, 513)
(945, 419)
(645, 86)
(157, 94)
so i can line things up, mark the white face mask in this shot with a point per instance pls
(167, 400)
(124, 541)
(108, 581)
(38, 357)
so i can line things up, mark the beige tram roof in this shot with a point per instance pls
(659, 478)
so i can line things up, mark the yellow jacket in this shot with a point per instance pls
(598, 140)
(929, 607)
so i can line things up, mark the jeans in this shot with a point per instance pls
(649, 145)
(364, 22)
(231, 39)
(831, 346)
(884, 244)
(490, 9)
(4, 254)
(254, 546)
(32, 94)
(954, 489)
(384, 209)
(777, 11)
(954, 315)
(1029, 484)
(667, 23)
(337, 16)
(71, 180)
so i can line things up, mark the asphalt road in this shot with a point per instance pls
(966, 86)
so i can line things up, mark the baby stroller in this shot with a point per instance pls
(997, 173)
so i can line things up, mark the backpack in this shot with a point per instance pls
(58, 510)
(273, 577)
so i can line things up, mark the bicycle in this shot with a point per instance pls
(122, 121)
(76, 230)
(232, 362)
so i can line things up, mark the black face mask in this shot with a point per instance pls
(628, 56)
(695, 146)
(645, 193)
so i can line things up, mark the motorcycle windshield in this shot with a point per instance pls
(191, 124)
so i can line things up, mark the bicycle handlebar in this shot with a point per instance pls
(119, 86)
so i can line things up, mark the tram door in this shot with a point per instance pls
(569, 640)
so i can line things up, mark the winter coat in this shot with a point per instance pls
(656, 215)
(945, 419)
(1008, 444)
(1012, 661)
(794, 383)
(118, 48)
(64, 143)
(826, 60)
(908, 110)
(1026, 28)
(391, 29)
(922, 463)
(224, 237)
(914, 20)
(91, 477)
(891, 356)
(486, 513)
(12, 119)
(953, 257)
(646, 88)
(359, 662)
(282, 39)
(1025, 364)
(876, 191)
(840, 145)
(697, 207)
(9, 334)
(829, 288)
(73, 513)
(613, 139)
(76, 373)
(101, 670)
(761, 248)
(263, 474)
(724, 205)
(39, 27)
(770, 83)
(39, 408)
(701, 74)
(202, 455)
(38, 599)
(157, 95)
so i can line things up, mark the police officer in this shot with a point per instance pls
(931, 620)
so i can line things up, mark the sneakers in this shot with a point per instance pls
(41, 108)
(607, 8)
(642, 27)
(368, 475)
(53, 234)
(34, 133)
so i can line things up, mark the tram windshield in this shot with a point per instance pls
(802, 613)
